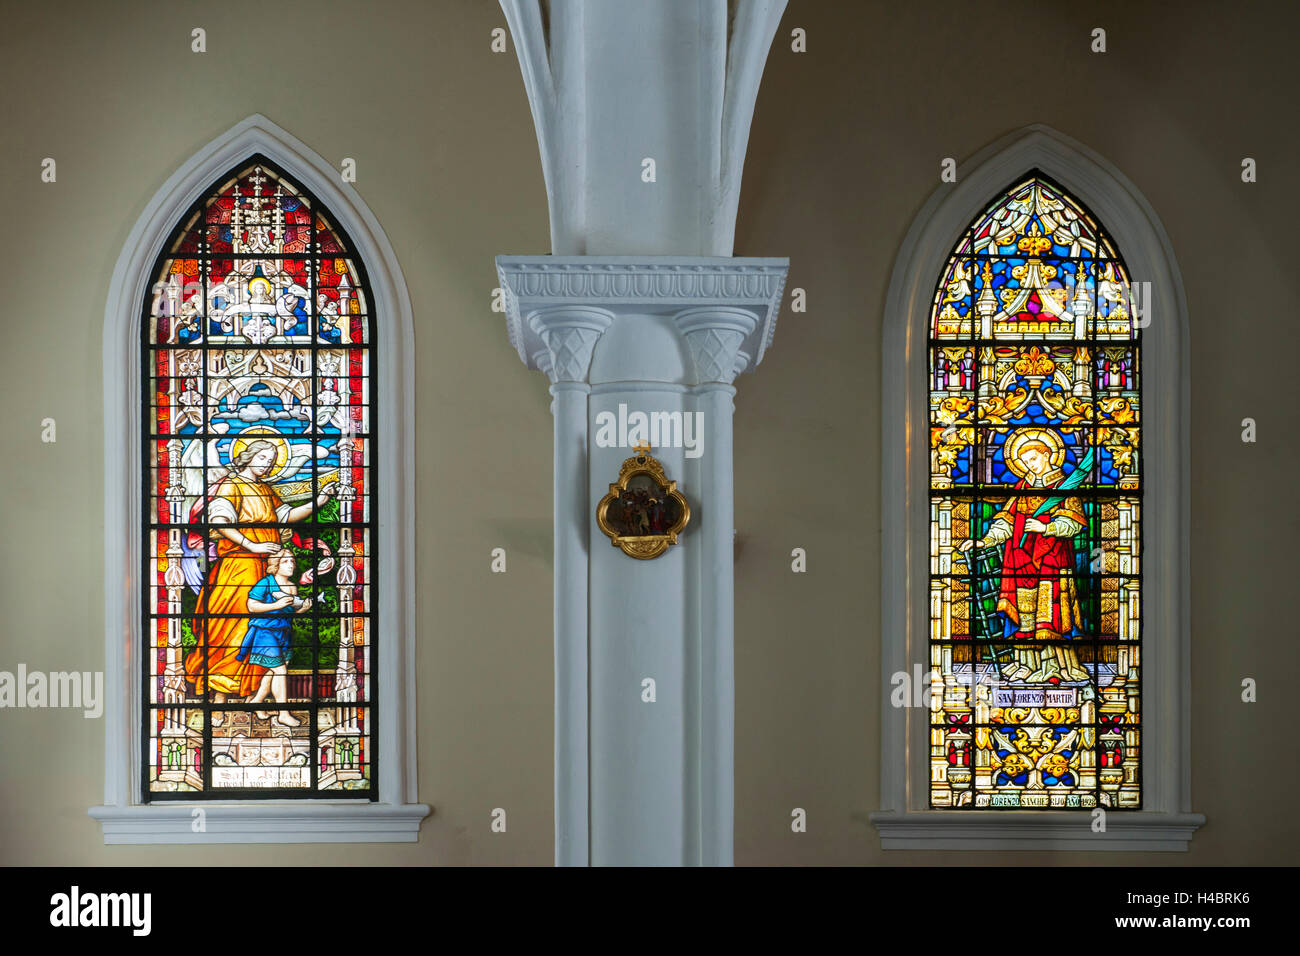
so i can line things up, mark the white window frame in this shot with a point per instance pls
(905, 820)
(396, 816)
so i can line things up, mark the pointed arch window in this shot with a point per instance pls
(1034, 589)
(1035, 513)
(259, 510)
(260, 445)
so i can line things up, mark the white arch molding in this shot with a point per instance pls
(396, 816)
(1166, 821)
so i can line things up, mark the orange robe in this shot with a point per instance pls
(226, 590)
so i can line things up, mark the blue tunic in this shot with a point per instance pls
(266, 643)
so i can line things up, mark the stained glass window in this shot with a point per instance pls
(259, 494)
(1035, 513)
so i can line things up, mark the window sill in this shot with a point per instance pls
(285, 822)
(1009, 830)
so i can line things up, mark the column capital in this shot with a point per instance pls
(735, 300)
(713, 336)
(543, 362)
(568, 334)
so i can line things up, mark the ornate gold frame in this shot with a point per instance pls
(642, 547)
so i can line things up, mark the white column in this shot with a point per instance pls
(714, 336)
(639, 782)
(642, 754)
(569, 334)
(616, 87)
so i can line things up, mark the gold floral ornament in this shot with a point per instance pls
(644, 512)
(1035, 364)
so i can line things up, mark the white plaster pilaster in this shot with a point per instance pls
(612, 85)
(713, 336)
(637, 782)
(569, 333)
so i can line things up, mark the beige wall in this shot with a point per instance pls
(845, 147)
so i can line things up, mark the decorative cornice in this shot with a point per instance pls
(632, 285)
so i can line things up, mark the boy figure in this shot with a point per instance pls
(267, 642)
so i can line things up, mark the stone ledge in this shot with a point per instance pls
(1052, 830)
(306, 821)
